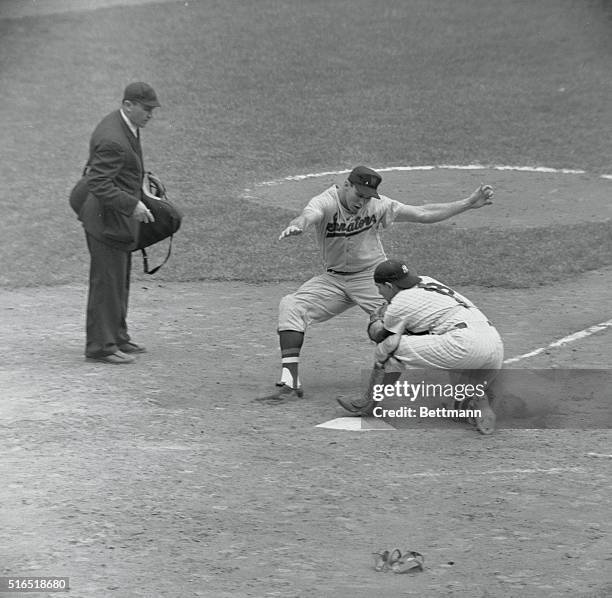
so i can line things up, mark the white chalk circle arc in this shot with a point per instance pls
(525, 196)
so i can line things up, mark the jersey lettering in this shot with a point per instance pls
(356, 226)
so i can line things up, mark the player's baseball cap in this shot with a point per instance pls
(142, 93)
(397, 273)
(365, 180)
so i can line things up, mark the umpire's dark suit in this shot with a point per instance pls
(105, 199)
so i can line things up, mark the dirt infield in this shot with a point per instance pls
(165, 479)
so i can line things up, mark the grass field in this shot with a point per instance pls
(252, 92)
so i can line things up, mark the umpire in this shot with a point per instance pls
(108, 202)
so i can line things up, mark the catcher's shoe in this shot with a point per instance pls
(282, 395)
(357, 409)
(462, 406)
(485, 422)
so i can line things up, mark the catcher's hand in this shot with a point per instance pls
(376, 328)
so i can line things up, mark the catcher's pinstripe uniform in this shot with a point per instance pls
(460, 336)
(348, 219)
(427, 324)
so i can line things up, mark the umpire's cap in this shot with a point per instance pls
(396, 273)
(142, 93)
(365, 180)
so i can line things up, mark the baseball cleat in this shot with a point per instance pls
(283, 394)
(485, 422)
(355, 408)
(462, 406)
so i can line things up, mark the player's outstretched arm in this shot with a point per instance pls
(298, 225)
(436, 212)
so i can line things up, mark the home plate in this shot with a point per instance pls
(355, 424)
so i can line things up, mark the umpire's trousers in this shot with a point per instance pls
(107, 303)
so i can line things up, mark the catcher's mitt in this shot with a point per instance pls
(376, 328)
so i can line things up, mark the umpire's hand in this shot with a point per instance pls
(142, 213)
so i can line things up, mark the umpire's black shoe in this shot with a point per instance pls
(116, 358)
(283, 394)
(131, 347)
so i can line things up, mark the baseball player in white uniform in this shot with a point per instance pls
(348, 220)
(426, 324)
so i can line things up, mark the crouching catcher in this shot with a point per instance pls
(427, 325)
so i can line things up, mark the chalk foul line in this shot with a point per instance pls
(563, 341)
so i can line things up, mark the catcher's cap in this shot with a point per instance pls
(365, 180)
(142, 93)
(396, 273)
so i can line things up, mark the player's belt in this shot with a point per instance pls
(338, 272)
(466, 325)
(457, 325)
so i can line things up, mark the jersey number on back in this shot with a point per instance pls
(439, 288)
